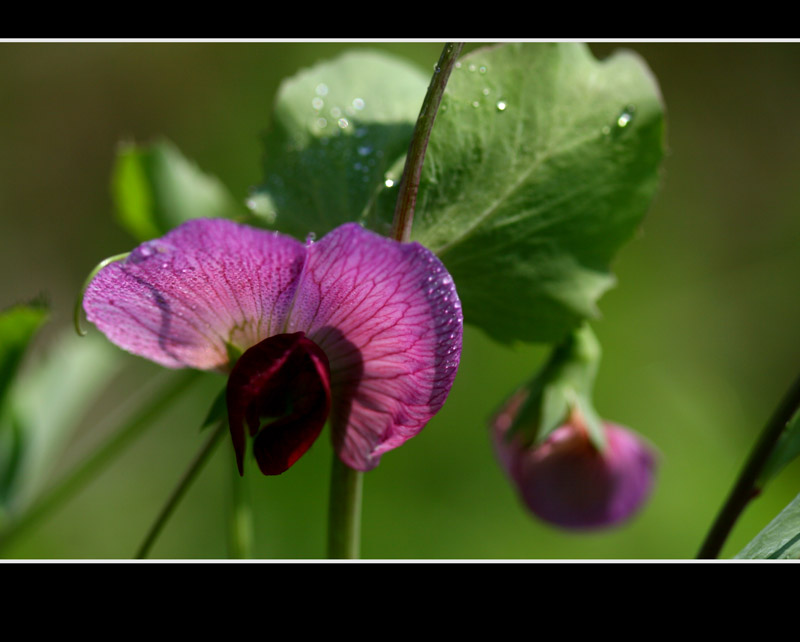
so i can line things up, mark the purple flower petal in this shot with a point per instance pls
(178, 300)
(386, 315)
(567, 482)
(389, 319)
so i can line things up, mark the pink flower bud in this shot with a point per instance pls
(568, 482)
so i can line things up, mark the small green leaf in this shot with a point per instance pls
(155, 188)
(787, 448)
(337, 128)
(780, 539)
(18, 325)
(541, 164)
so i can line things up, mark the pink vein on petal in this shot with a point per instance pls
(179, 299)
(389, 319)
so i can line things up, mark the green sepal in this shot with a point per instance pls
(562, 391)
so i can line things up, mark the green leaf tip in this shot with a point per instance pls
(155, 188)
(339, 127)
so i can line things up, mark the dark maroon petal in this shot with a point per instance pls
(280, 388)
(389, 319)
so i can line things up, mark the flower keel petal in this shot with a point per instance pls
(280, 388)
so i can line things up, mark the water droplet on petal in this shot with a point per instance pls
(322, 89)
(501, 105)
(310, 238)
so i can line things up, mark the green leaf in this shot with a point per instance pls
(48, 402)
(337, 128)
(541, 164)
(780, 539)
(155, 188)
(17, 327)
(787, 448)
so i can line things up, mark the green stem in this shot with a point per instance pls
(344, 518)
(745, 488)
(93, 464)
(183, 485)
(240, 543)
(409, 183)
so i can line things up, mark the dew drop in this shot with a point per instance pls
(358, 103)
(322, 123)
(501, 105)
(317, 103)
(485, 91)
(472, 67)
(388, 182)
(335, 112)
(606, 130)
(361, 132)
(458, 65)
(476, 104)
(625, 118)
(436, 68)
(358, 167)
(322, 89)
(310, 238)
(343, 123)
(364, 150)
(482, 69)
(146, 251)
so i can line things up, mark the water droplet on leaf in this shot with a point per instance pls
(343, 123)
(317, 103)
(501, 105)
(358, 103)
(322, 89)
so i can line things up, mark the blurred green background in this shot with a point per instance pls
(700, 335)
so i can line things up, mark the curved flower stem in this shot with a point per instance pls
(240, 543)
(93, 464)
(177, 494)
(745, 488)
(344, 517)
(409, 183)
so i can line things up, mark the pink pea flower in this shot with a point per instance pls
(355, 328)
(567, 481)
